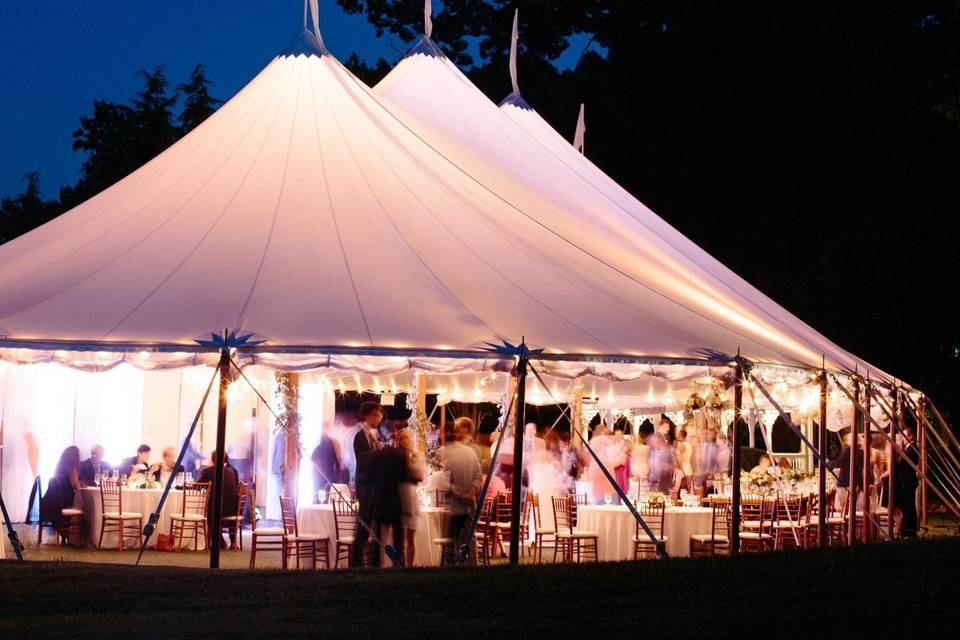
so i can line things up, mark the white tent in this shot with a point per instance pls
(549, 176)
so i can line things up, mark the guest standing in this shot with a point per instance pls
(463, 465)
(905, 485)
(228, 502)
(92, 466)
(327, 466)
(365, 444)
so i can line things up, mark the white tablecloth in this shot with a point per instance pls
(318, 518)
(142, 501)
(616, 526)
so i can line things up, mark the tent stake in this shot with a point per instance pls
(217, 506)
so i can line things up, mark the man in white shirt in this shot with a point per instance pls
(462, 464)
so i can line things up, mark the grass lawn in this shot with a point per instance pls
(907, 589)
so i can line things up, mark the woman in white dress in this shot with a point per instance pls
(684, 454)
(409, 500)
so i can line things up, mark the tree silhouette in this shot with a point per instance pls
(198, 104)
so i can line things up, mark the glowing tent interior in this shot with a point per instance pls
(381, 234)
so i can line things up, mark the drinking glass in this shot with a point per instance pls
(607, 499)
(189, 477)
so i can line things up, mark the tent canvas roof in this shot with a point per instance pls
(315, 214)
(515, 143)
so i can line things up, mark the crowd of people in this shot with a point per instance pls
(72, 474)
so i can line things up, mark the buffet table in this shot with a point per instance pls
(616, 526)
(318, 519)
(142, 501)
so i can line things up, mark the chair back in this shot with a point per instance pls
(759, 510)
(563, 514)
(788, 508)
(534, 501)
(195, 498)
(288, 509)
(253, 508)
(344, 519)
(654, 515)
(720, 525)
(111, 496)
(503, 507)
(339, 491)
(243, 493)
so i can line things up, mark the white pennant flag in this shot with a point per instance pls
(315, 10)
(581, 129)
(427, 22)
(513, 53)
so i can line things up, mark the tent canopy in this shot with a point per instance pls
(320, 216)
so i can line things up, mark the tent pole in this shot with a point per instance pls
(822, 464)
(867, 530)
(735, 472)
(217, 506)
(852, 480)
(517, 487)
(922, 427)
(896, 419)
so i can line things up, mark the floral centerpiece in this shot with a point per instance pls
(760, 481)
(142, 481)
(656, 499)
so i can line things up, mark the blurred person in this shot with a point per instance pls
(667, 430)
(416, 471)
(906, 483)
(166, 469)
(684, 453)
(327, 466)
(662, 464)
(610, 454)
(842, 463)
(463, 466)
(622, 472)
(61, 487)
(138, 463)
(228, 498)
(92, 466)
(764, 463)
(497, 485)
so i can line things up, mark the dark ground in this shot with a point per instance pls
(904, 589)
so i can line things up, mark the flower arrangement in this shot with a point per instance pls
(760, 481)
(695, 401)
(792, 476)
(656, 499)
(142, 481)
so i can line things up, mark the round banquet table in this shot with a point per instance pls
(142, 501)
(616, 526)
(318, 519)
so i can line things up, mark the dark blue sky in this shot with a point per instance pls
(58, 57)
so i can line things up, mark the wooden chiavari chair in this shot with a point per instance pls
(757, 515)
(345, 527)
(654, 515)
(790, 520)
(192, 518)
(572, 542)
(262, 538)
(301, 545)
(113, 519)
(234, 522)
(718, 539)
(541, 535)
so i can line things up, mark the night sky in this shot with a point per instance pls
(58, 57)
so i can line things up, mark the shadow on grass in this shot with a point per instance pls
(906, 588)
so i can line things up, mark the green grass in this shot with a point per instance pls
(905, 588)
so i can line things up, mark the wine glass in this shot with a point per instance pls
(607, 499)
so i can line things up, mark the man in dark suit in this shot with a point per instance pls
(327, 467)
(228, 503)
(365, 444)
(93, 465)
(387, 470)
(905, 485)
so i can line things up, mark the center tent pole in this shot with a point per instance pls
(896, 420)
(922, 427)
(522, 362)
(735, 473)
(822, 463)
(217, 507)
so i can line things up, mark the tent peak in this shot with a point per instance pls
(425, 46)
(304, 43)
(516, 100)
